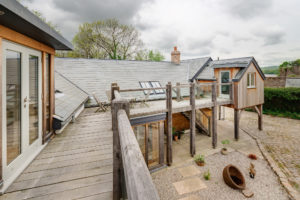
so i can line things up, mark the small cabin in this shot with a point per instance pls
(245, 75)
(27, 50)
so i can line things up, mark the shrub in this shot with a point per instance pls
(282, 100)
(206, 175)
(199, 158)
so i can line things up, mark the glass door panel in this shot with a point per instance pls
(33, 98)
(225, 77)
(47, 94)
(153, 144)
(13, 104)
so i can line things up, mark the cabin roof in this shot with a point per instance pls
(21, 20)
(68, 97)
(96, 76)
(243, 63)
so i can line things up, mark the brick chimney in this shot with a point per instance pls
(175, 56)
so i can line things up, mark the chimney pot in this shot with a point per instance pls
(175, 56)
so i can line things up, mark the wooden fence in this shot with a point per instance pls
(131, 177)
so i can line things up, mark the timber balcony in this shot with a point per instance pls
(131, 176)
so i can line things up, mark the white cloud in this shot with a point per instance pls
(219, 28)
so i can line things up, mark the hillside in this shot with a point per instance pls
(270, 70)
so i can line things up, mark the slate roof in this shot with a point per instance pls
(243, 63)
(70, 98)
(96, 76)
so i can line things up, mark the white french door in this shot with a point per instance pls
(22, 117)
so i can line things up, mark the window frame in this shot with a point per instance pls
(151, 84)
(251, 80)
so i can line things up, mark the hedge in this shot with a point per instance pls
(282, 100)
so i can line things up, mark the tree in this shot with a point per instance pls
(149, 55)
(119, 41)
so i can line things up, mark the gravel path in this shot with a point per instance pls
(265, 185)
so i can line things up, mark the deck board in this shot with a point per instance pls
(76, 164)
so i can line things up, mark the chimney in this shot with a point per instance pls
(175, 56)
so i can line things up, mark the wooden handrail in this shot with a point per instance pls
(139, 184)
(141, 89)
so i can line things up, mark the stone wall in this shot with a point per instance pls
(275, 82)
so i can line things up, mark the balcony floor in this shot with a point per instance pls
(76, 164)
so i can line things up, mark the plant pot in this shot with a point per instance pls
(200, 163)
(224, 151)
(233, 177)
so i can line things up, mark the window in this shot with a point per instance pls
(152, 84)
(251, 80)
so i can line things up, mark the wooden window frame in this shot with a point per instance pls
(251, 85)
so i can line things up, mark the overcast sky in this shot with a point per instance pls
(269, 30)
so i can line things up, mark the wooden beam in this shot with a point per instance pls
(260, 117)
(138, 181)
(236, 124)
(52, 91)
(192, 120)
(161, 142)
(169, 123)
(214, 115)
(117, 165)
(1, 108)
(220, 113)
(19, 38)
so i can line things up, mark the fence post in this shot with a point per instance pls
(114, 86)
(117, 104)
(178, 92)
(214, 115)
(169, 123)
(192, 120)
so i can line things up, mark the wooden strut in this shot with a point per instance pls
(169, 123)
(192, 120)
(214, 115)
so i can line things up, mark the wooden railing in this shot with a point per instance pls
(131, 177)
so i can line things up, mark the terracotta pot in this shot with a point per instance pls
(176, 137)
(224, 151)
(233, 177)
(200, 163)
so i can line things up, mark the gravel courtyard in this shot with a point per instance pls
(265, 186)
(281, 138)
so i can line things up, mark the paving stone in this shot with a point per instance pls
(189, 171)
(192, 197)
(189, 185)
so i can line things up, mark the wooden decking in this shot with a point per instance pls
(75, 165)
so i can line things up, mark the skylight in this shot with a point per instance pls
(152, 84)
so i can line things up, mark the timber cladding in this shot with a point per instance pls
(248, 97)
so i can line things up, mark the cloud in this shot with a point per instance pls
(247, 9)
(92, 10)
(271, 35)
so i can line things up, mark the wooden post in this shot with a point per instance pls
(231, 92)
(192, 120)
(260, 117)
(114, 86)
(117, 104)
(178, 92)
(1, 104)
(198, 91)
(220, 113)
(214, 115)
(236, 123)
(169, 123)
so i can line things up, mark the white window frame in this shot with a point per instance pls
(251, 80)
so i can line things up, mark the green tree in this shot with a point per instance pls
(149, 55)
